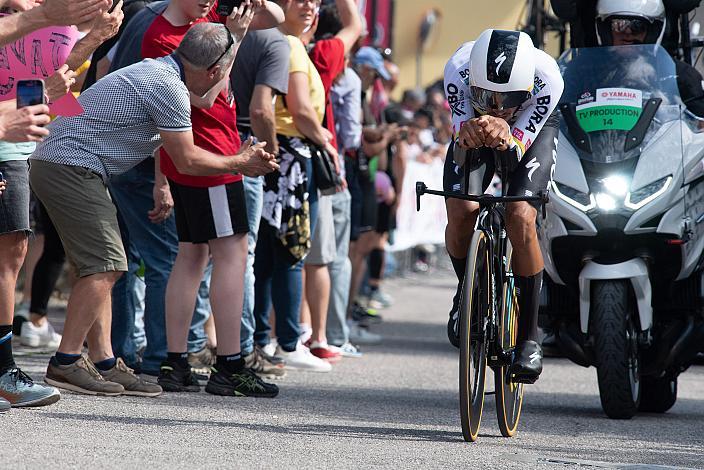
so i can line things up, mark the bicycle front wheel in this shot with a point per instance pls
(509, 395)
(474, 314)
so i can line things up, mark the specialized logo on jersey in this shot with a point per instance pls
(539, 114)
(456, 99)
(532, 165)
(501, 55)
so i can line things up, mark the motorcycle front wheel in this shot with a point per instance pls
(613, 325)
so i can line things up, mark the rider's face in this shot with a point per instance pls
(627, 38)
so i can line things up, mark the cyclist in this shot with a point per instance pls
(502, 93)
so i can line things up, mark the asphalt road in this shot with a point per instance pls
(397, 407)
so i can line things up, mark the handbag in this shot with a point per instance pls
(326, 178)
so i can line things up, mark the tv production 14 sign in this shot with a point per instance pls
(610, 109)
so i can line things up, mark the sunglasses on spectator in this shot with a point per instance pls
(230, 43)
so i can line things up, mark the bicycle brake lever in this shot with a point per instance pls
(420, 190)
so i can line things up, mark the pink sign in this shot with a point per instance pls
(37, 56)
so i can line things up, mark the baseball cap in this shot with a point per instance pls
(371, 57)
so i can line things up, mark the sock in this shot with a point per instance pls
(373, 289)
(180, 359)
(7, 361)
(66, 359)
(376, 262)
(528, 290)
(460, 265)
(106, 364)
(230, 364)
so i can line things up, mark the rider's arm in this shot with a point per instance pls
(456, 82)
(546, 94)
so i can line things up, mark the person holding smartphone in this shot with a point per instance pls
(20, 130)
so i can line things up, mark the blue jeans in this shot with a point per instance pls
(157, 246)
(278, 282)
(340, 271)
(254, 192)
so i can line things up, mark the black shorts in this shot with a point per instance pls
(204, 214)
(363, 205)
(525, 178)
(385, 220)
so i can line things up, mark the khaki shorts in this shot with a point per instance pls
(323, 249)
(85, 217)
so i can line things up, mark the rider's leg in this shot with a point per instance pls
(461, 219)
(527, 266)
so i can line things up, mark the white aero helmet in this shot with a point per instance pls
(502, 70)
(636, 16)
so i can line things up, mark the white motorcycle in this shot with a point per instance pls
(624, 235)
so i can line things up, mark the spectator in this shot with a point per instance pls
(338, 29)
(48, 13)
(373, 157)
(290, 210)
(211, 218)
(150, 99)
(259, 77)
(147, 242)
(16, 386)
(347, 107)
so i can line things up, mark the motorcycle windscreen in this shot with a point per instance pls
(617, 99)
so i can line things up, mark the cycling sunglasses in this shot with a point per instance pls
(486, 100)
(635, 25)
(230, 43)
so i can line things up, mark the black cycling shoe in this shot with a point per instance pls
(176, 378)
(453, 327)
(527, 362)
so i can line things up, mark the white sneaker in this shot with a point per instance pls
(39, 336)
(302, 359)
(347, 350)
(270, 349)
(361, 335)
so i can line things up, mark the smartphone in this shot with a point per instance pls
(30, 92)
(226, 7)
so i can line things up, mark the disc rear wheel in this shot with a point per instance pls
(474, 314)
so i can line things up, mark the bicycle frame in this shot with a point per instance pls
(490, 211)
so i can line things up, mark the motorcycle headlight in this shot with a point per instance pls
(582, 201)
(637, 199)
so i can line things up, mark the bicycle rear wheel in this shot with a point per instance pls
(509, 395)
(474, 313)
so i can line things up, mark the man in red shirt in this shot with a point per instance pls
(211, 216)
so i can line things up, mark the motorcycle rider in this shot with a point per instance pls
(626, 22)
(502, 93)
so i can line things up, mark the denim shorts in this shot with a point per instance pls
(14, 202)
